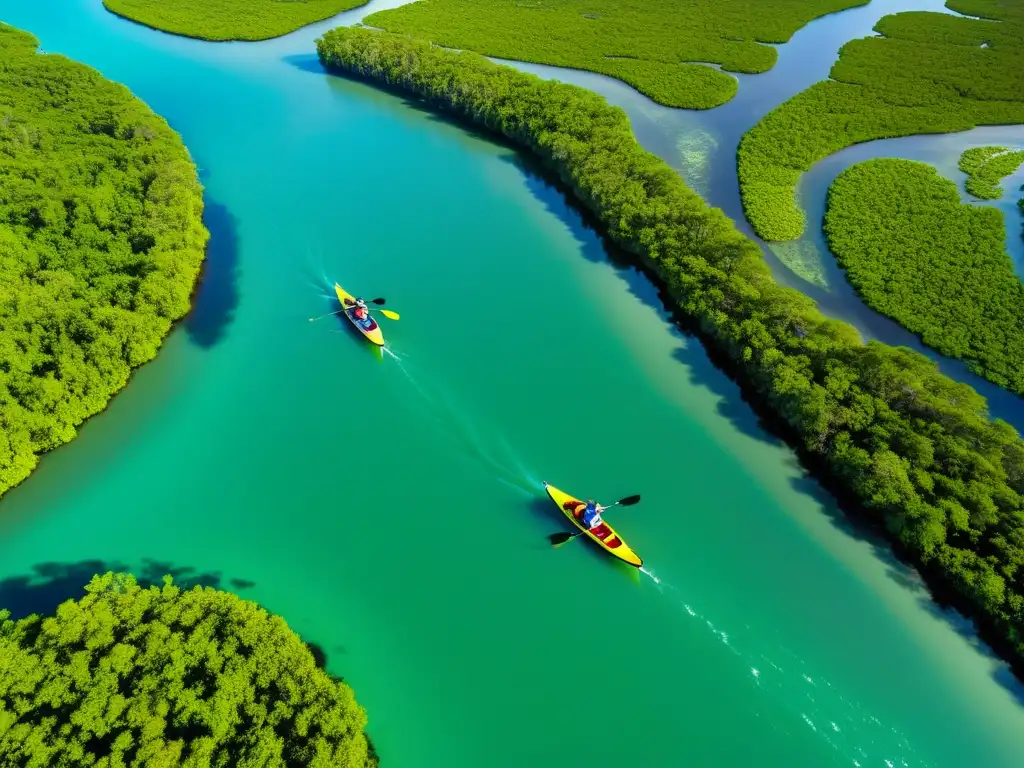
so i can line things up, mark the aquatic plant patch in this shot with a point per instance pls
(101, 240)
(925, 73)
(913, 448)
(229, 19)
(660, 47)
(986, 167)
(937, 266)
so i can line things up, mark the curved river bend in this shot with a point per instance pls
(390, 507)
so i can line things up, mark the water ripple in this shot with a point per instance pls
(856, 736)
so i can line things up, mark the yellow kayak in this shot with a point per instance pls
(367, 326)
(603, 534)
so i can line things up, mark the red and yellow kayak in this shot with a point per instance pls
(368, 327)
(603, 534)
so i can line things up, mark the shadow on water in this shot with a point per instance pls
(542, 508)
(907, 577)
(307, 62)
(217, 296)
(51, 584)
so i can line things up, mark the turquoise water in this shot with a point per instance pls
(390, 507)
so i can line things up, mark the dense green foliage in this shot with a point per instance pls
(933, 264)
(128, 676)
(229, 19)
(927, 73)
(986, 167)
(646, 43)
(101, 240)
(882, 424)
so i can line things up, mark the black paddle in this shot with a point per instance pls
(558, 539)
(378, 302)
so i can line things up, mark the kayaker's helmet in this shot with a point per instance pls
(591, 504)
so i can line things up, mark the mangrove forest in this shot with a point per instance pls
(660, 47)
(986, 167)
(153, 676)
(937, 266)
(923, 73)
(229, 19)
(101, 242)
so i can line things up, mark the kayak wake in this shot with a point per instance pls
(859, 737)
(488, 448)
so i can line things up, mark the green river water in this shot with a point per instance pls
(390, 507)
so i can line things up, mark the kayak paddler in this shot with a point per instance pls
(360, 311)
(592, 514)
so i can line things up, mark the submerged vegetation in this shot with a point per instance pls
(660, 47)
(165, 677)
(915, 449)
(101, 240)
(926, 73)
(986, 167)
(229, 19)
(937, 266)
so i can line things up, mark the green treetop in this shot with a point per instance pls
(129, 676)
(101, 240)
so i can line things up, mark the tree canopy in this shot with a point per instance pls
(914, 449)
(229, 19)
(937, 266)
(101, 241)
(923, 73)
(660, 47)
(986, 167)
(152, 677)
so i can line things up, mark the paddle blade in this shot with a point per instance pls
(629, 500)
(558, 539)
(389, 313)
(378, 302)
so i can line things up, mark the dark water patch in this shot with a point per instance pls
(217, 296)
(1005, 679)
(52, 583)
(543, 508)
(307, 62)
(703, 373)
(593, 247)
(48, 586)
(319, 656)
(186, 577)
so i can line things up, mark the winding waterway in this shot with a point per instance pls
(390, 507)
(702, 146)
